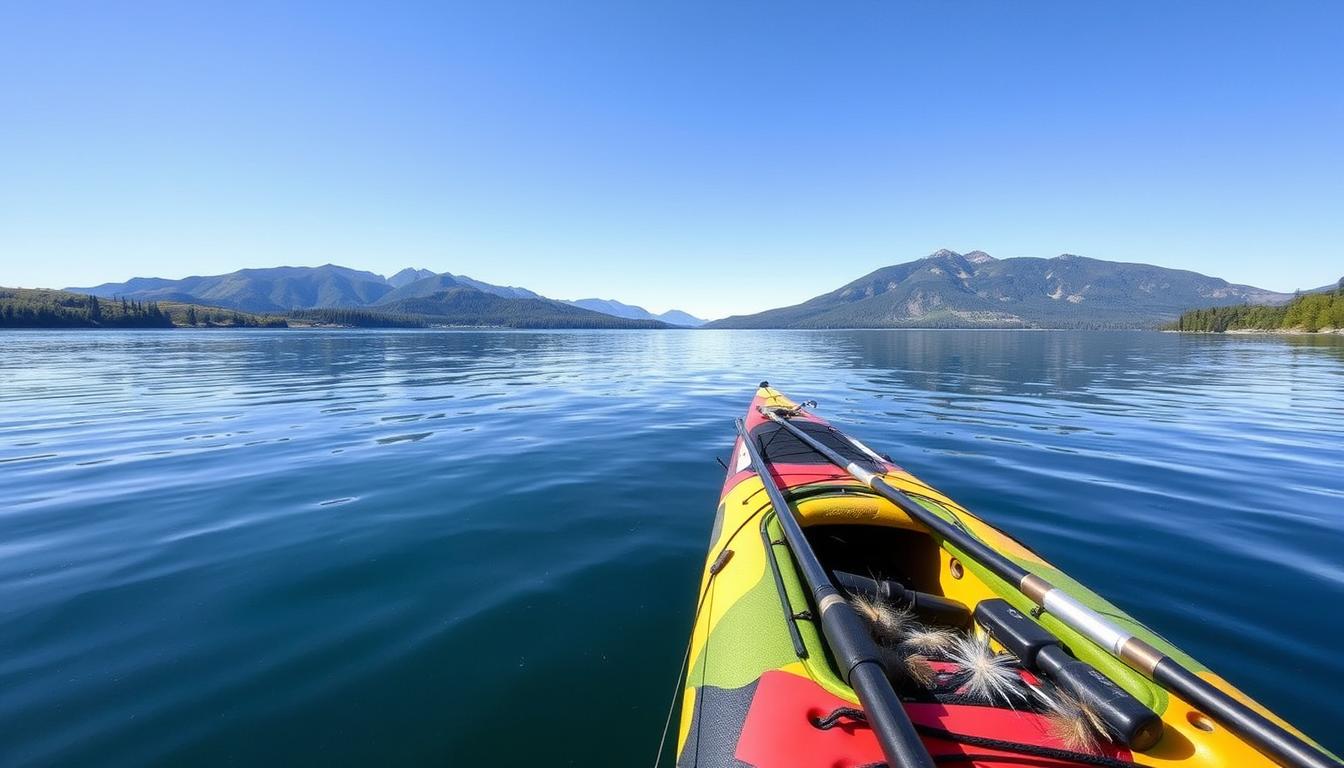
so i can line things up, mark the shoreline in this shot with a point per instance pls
(1287, 332)
(1264, 332)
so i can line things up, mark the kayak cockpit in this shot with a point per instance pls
(880, 552)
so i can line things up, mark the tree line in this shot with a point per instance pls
(38, 308)
(214, 317)
(41, 308)
(1310, 312)
(20, 308)
(358, 318)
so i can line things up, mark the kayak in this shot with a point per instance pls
(993, 657)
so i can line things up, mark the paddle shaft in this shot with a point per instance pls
(846, 634)
(1267, 737)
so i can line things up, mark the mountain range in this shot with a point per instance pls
(445, 297)
(950, 289)
(945, 289)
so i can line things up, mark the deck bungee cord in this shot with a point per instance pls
(833, 719)
(1265, 736)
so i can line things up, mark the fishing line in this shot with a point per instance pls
(686, 658)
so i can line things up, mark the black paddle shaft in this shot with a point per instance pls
(846, 634)
(1268, 738)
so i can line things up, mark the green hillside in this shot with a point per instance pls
(1310, 312)
(40, 308)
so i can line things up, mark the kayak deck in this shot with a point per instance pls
(761, 676)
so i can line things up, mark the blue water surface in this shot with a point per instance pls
(482, 548)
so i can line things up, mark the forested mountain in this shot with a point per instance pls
(427, 286)
(1321, 309)
(428, 283)
(949, 289)
(464, 305)
(288, 289)
(276, 289)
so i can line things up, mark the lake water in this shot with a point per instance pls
(482, 548)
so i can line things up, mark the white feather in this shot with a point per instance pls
(1076, 724)
(928, 641)
(986, 676)
(888, 621)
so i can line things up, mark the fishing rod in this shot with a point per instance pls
(847, 635)
(1268, 738)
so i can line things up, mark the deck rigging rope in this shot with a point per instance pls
(676, 690)
(1035, 750)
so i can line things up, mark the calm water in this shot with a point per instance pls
(232, 548)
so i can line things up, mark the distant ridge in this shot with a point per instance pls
(630, 311)
(1336, 286)
(677, 317)
(408, 276)
(947, 289)
(506, 291)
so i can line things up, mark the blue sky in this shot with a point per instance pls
(721, 157)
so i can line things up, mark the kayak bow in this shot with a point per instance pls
(994, 658)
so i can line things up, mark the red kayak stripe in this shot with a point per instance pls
(778, 732)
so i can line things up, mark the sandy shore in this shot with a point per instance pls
(1287, 332)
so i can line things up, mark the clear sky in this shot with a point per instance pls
(720, 157)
